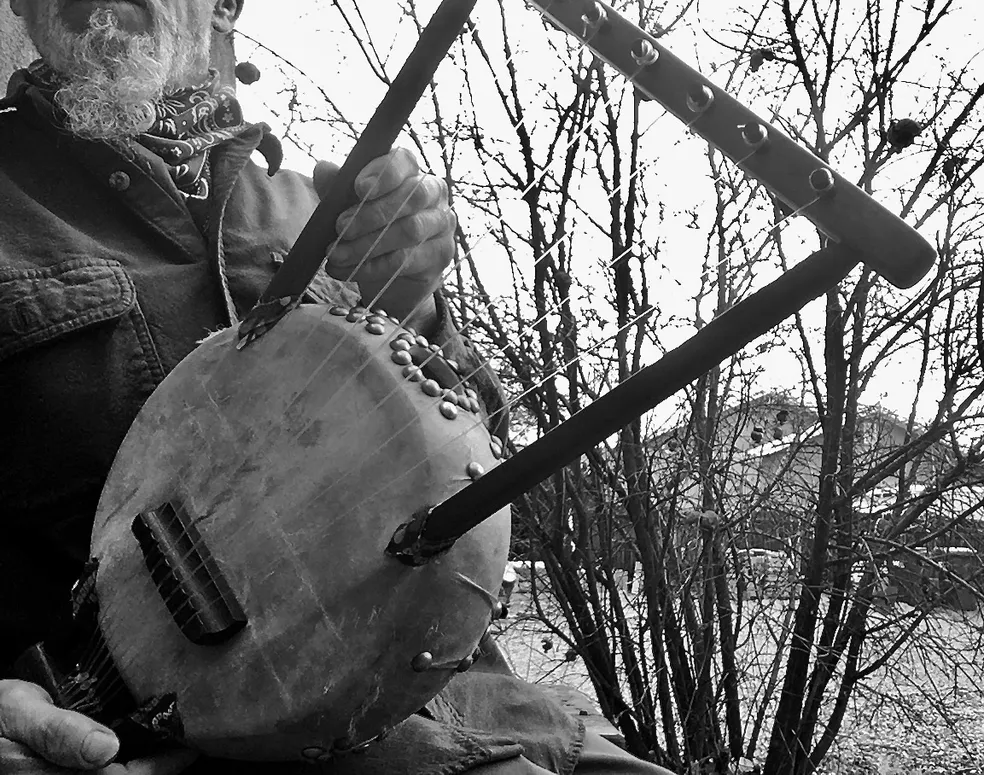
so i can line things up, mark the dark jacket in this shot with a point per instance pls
(106, 282)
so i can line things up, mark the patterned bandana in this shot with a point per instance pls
(187, 124)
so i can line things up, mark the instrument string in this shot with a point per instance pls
(480, 422)
(582, 44)
(474, 424)
(300, 392)
(362, 203)
(90, 652)
(100, 669)
(115, 686)
(355, 428)
(561, 368)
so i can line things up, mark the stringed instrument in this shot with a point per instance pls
(302, 537)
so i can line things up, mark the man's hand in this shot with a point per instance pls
(38, 738)
(403, 228)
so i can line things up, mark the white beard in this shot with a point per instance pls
(113, 77)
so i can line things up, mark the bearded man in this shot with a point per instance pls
(133, 224)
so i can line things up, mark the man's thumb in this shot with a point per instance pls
(324, 174)
(60, 736)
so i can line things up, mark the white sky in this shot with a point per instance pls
(313, 38)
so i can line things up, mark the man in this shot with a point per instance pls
(133, 224)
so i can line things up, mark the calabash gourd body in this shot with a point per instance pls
(298, 457)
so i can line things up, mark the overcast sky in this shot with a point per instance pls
(315, 40)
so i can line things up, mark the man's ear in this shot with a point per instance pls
(224, 15)
(17, 6)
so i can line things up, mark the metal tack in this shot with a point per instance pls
(822, 180)
(594, 16)
(431, 388)
(337, 311)
(400, 344)
(475, 470)
(402, 357)
(422, 662)
(754, 134)
(378, 329)
(699, 98)
(451, 397)
(413, 373)
(422, 341)
(644, 53)
(465, 664)
(450, 411)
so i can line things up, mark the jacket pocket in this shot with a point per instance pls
(41, 304)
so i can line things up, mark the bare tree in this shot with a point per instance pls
(583, 212)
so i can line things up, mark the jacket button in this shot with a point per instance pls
(119, 181)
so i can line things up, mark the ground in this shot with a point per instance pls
(921, 715)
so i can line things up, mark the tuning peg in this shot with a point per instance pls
(644, 53)
(754, 134)
(593, 18)
(700, 98)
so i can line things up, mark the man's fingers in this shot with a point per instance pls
(384, 174)
(410, 235)
(422, 265)
(62, 737)
(324, 174)
(416, 194)
(168, 763)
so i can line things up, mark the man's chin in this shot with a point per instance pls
(95, 120)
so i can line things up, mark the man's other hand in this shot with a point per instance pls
(403, 228)
(38, 738)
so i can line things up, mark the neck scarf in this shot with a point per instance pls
(187, 124)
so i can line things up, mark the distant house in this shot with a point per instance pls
(771, 448)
